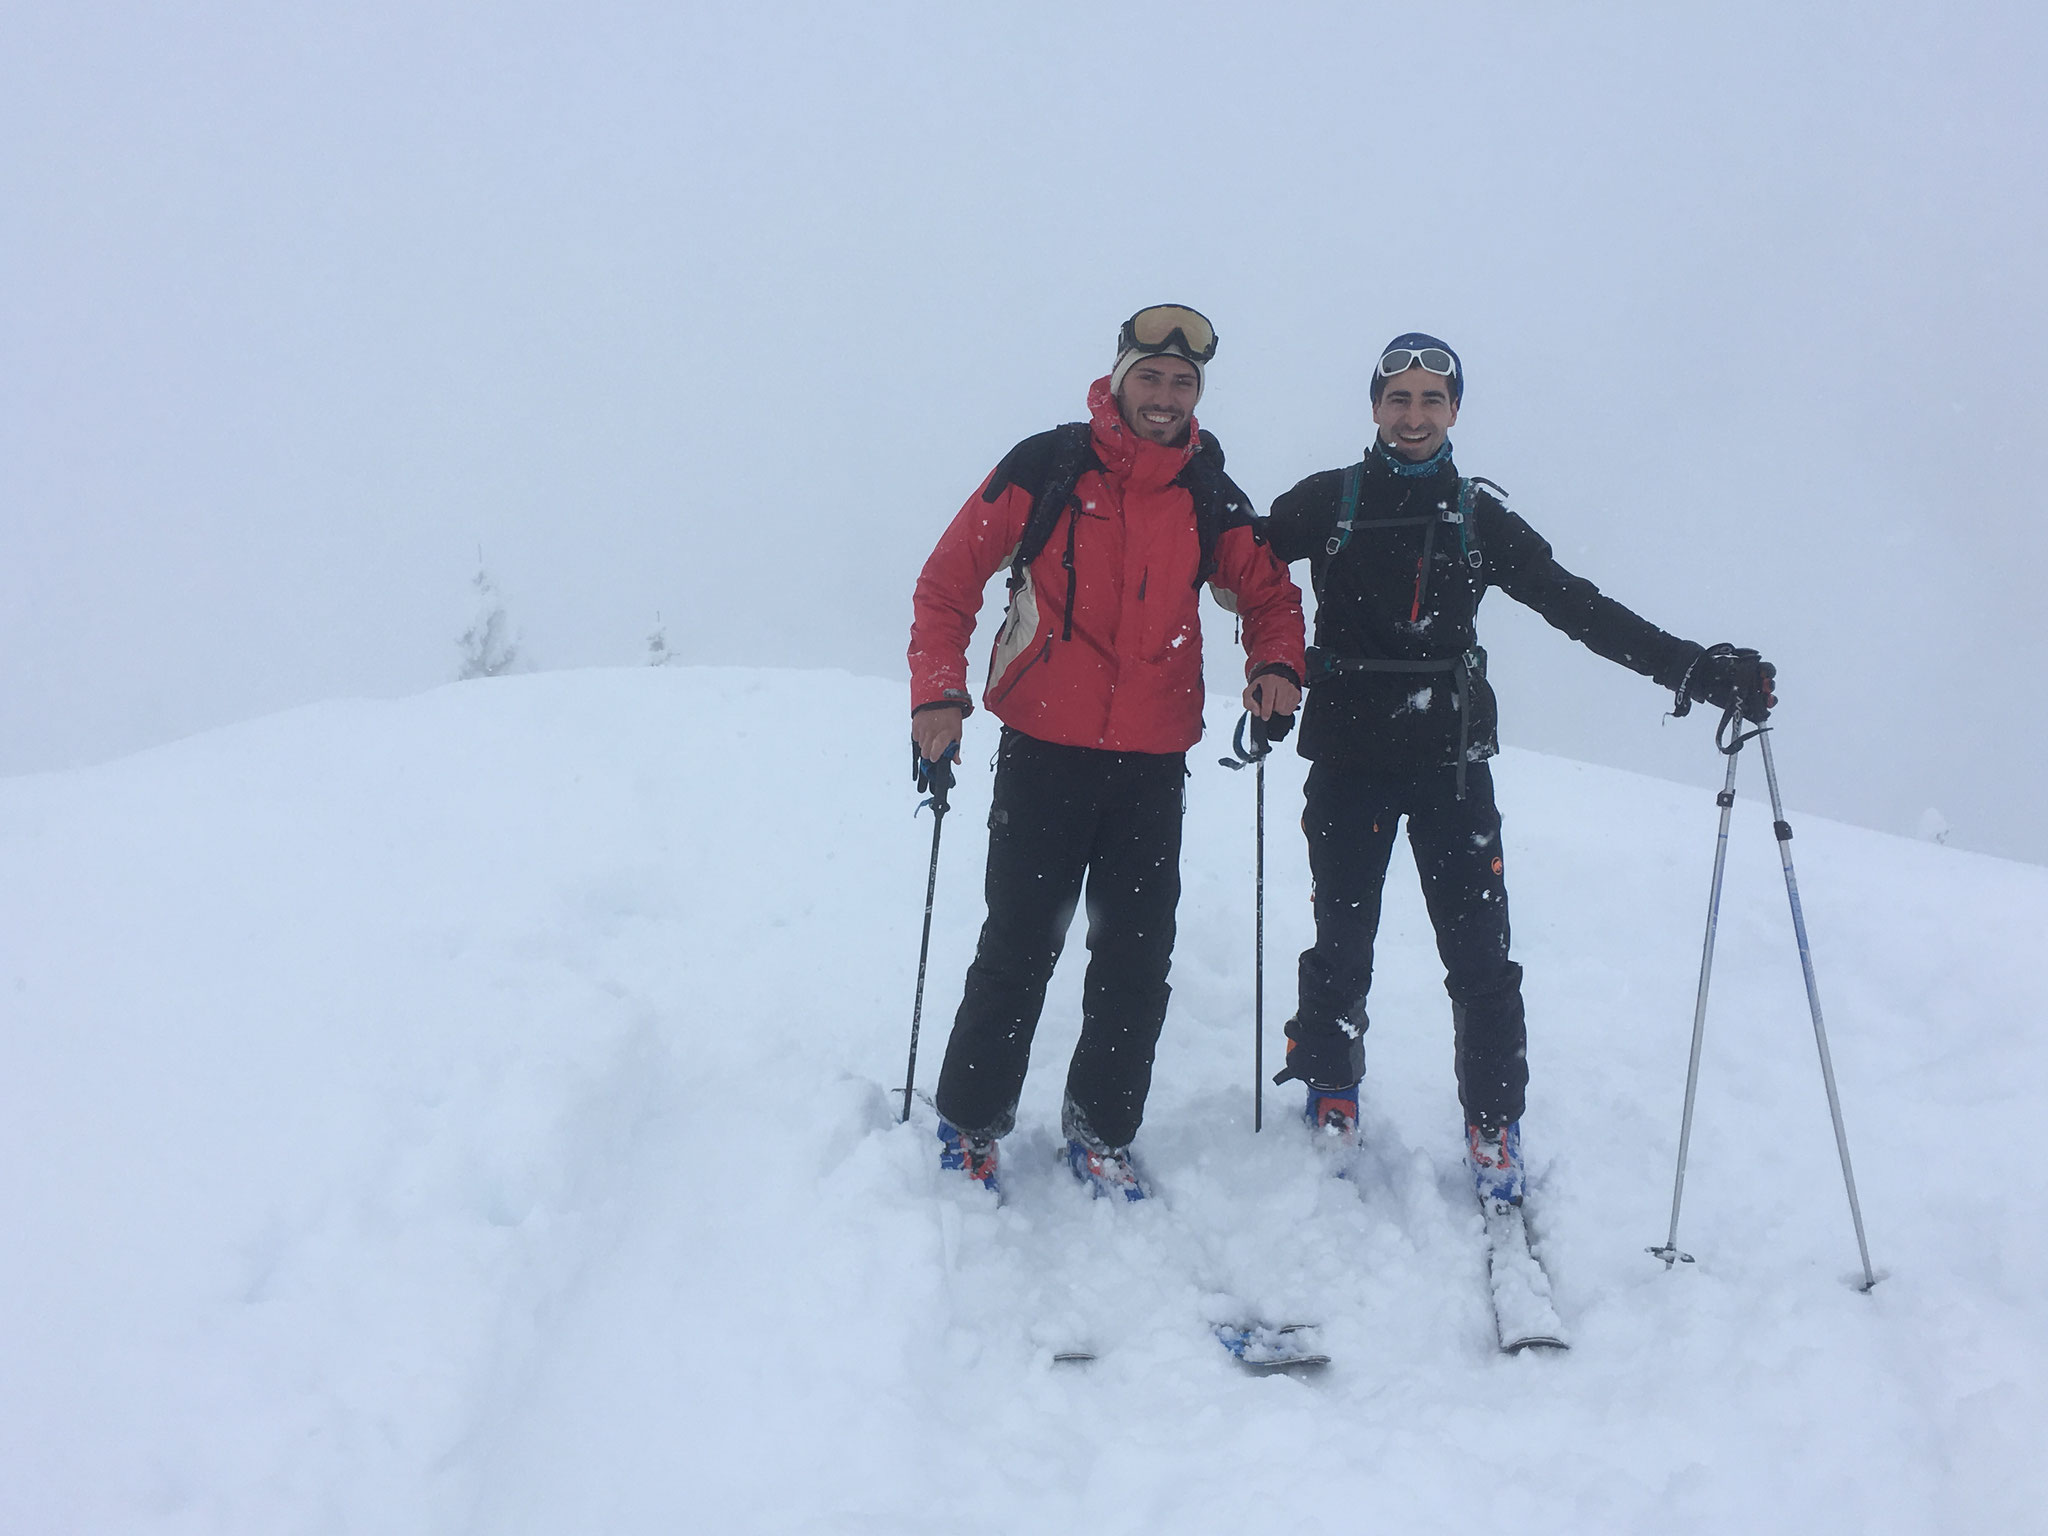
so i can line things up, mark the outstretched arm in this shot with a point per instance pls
(1519, 561)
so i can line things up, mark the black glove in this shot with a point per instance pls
(1728, 678)
(1275, 726)
(934, 779)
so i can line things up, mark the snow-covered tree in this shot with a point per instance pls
(488, 646)
(658, 653)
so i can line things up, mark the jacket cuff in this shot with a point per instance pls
(1679, 671)
(1275, 669)
(952, 698)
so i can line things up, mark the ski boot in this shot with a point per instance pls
(974, 1156)
(1496, 1158)
(1333, 1113)
(1109, 1173)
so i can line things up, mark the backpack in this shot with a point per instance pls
(1050, 464)
(1467, 525)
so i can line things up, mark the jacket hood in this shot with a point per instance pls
(1124, 454)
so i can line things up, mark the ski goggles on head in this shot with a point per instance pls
(1398, 360)
(1169, 328)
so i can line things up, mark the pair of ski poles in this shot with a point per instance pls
(1730, 738)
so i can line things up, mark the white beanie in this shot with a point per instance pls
(1130, 358)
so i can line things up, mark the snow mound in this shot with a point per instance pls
(479, 1113)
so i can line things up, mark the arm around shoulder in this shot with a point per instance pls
(1302, 519)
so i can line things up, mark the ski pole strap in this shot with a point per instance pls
(1260, 748)
(1731, 717)
(1681, 696)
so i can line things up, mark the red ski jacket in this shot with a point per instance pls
(1128, 678)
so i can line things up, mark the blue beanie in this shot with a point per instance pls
(1417, 340)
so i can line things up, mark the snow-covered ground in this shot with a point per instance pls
(474, 1114)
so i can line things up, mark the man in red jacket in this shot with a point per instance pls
(1097, 677)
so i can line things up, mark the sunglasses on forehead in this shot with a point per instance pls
(1169, 326)
(1429, 359)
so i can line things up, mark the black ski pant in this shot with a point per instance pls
(1350, 818)
(1061, 819)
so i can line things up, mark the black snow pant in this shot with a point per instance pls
(1350, 818)
(1060, 817)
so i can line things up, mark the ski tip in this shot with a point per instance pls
(1541, 1343)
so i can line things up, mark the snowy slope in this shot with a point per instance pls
(473, 1114)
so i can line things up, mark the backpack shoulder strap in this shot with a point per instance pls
(1347, 509)
(1468, 524)
(1220, 502)
(1046, 466)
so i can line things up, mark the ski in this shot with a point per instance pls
(1261, 1348)
(1268, 1351)
(1523, 1314)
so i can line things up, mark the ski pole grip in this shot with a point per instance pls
(935, 779)
(939, 778)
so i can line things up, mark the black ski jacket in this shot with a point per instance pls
(1404, 588)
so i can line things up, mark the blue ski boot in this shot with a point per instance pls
(971, 1155)
(1109, 1174)
(1108, 1171)
(1496, 1158)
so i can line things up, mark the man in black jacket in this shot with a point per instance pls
(1400, 722)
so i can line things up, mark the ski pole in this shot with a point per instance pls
(938, 778)
(1261, 749)
(1820, 1035)
(1726, 800)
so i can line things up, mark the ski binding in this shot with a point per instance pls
(1268, 1351)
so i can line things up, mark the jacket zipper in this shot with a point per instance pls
(1422, 570)
(1073, 522)
(1044, 654)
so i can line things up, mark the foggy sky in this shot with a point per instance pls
(720, 311)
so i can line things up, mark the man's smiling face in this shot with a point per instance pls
(1415, 413)
(1158, 398)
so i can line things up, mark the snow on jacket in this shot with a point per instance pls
(1128, 676)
